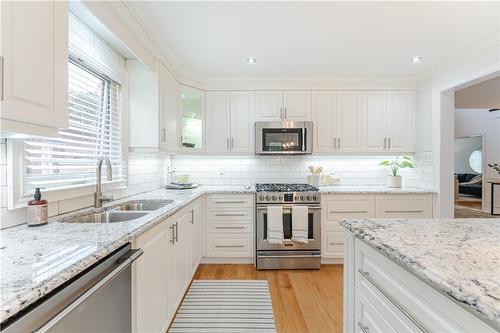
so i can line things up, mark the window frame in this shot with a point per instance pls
(16, 196)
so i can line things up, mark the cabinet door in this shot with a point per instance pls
(297, 105)
(373, 132)
(324, 106)
(177, 260)
(196, 240)
(269, 105)
(34, 48)
(218, 121)
(169, 110)
(242, 121)
(348, 121)
(400, 121)
(151, 280)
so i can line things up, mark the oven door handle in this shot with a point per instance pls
(289, 208)
(293, 256)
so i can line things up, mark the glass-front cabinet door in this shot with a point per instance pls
(192, 118)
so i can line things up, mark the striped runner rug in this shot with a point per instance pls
(225, 306)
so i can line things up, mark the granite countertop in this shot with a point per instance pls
(458, 257)
(36, 260)
(371, 190)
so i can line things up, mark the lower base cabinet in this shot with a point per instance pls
(172, 252)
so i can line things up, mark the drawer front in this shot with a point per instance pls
(230, 246)
(412, 302)
(332, 244)
(367, 319)
(339, 207)
(230, 201)
(404, 206)
(231, 214)
(229, 227)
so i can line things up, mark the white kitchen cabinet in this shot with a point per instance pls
(242, 121)
(283, 105)
(348, 121)
(192, 125)
(404, 206)
(177, 259)
(34, 80)
(218, 119)
(150, 281)
(195, 225)
(374, 122)
(297, 105)
(153, 108)
(400, 121)
(324, 113)
(169, 110)
(269, 105)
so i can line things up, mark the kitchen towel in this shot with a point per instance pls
(300, 225)
(275, 224)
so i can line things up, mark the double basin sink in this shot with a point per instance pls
(128, 211)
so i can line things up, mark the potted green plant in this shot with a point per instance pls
(395, 180)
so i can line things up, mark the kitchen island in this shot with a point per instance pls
(424, 275)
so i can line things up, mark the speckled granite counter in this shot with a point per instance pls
(460, 258)
(333, 189)
(34, 261)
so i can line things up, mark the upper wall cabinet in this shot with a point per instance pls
(230, 121)
(153, 108)
(388, 121)
(281, 106)
(192, 119)
(34, 67)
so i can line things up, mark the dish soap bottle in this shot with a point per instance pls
(38, 210)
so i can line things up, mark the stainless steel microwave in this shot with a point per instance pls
(283, 137)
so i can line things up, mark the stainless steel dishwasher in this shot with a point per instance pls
(97, 300)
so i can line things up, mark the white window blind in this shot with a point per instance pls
(95, 129)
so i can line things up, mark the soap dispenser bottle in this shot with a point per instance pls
(38, 211)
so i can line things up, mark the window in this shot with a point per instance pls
(94, 130)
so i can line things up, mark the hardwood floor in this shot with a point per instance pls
(303, 300)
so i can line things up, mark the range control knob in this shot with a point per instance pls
(261, 197)
(280, 198)
(308, 198)
(268, 198)
(301, 197)
(274, 198)
(296, 198)
(315, 198)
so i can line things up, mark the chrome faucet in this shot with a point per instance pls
(98, 197)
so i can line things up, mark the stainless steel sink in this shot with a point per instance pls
(144, 206)
(107, 217)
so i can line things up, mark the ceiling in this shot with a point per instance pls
(315, 39)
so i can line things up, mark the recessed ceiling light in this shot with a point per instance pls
(251, 60)
(415, 59)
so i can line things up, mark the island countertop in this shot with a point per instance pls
(458, 257)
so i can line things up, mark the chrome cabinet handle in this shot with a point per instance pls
(164, 131)
(227, 143)
(281, 113)
(334, 142)
(172, 227)
(176, 231)
(348, 211)
(401, 308)
(229, 246)
(232, 143)
(229, 201)
(230, 227)
(285, 112)
(363, 328)
(389, 143)
(126, 261)
(385, 143)
(338, 142)
(333, 243)
(192, 216)
(404, 211)
(230, 214)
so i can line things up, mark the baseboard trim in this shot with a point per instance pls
(327, 261)
(222, 260)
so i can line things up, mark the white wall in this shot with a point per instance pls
(145, 172)
(480, 121)
(463, 148)
(248, 170)
(435, 130)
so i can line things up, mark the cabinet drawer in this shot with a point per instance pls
(230, 227)
(229, 201)
(404, 206)
(332, 244)
(339, 207)
(230, 246)
(411, 301)
(367, 319)
(231, 214)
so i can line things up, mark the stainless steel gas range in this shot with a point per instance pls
(289, 255)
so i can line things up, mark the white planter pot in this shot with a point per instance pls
(394, 181)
